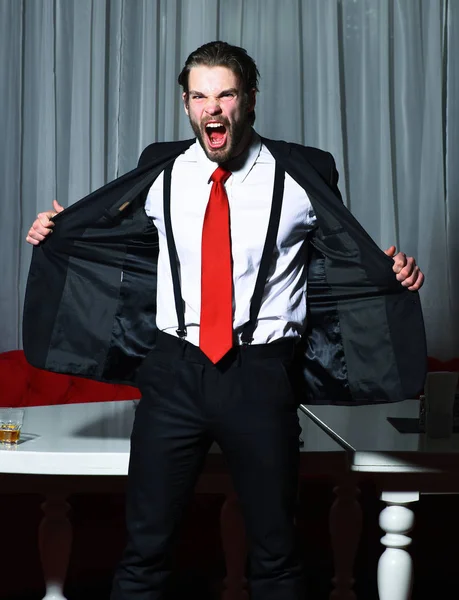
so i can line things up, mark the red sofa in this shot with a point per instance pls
(24, 385)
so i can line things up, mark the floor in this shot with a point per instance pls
(199, 569)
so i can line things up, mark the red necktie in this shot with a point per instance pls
(216, 326)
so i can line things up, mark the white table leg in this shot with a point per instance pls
(55, 540)
(345, 523)
(395, 567)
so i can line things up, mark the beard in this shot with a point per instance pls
(235, 133)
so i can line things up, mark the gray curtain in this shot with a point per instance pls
(86, 84)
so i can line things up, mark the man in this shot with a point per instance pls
(269, 292)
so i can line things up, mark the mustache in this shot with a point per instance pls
(221, 121)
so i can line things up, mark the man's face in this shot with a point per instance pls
(218, 111)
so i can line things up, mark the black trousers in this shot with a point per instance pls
(246, 404)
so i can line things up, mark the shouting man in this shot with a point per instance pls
(225, 277)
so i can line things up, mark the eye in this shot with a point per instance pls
(197, 96)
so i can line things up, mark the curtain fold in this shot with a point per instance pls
(87, 84)
(451, 141)
(11, 202)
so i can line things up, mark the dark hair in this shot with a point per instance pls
(222, 54)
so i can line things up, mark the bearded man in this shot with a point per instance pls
(225, 277)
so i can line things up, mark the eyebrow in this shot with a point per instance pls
(222, 93)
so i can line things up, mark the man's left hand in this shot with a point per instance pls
(408, 273)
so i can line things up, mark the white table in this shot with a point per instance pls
(85, 448)
(403, 465)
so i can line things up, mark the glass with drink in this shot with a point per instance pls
(10, 425)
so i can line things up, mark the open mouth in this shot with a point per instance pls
(216, 134)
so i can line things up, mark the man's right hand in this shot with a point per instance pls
(43, 226)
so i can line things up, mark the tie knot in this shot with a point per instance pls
(220, 175)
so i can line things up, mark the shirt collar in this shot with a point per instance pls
(241, 166)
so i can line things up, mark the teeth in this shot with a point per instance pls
(214, 125)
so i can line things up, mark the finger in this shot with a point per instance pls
(407, 270)
(45, 218)
(33, 237)
(400, 261)
(38, 235)
(412, 278)
(57, 207)
(30, 240)
(390, 251)
(43, 229)
(419, 282)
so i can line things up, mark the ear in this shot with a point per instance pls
(185, 102)
(252, 100)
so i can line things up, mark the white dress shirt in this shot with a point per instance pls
(249, 189)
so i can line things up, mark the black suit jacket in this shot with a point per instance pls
(91, 293)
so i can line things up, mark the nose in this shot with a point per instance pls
(213, 106)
